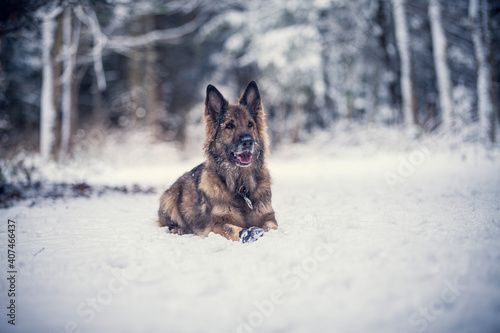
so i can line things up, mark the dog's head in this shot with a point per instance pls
(236, 133)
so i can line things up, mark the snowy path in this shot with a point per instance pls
(352, 254)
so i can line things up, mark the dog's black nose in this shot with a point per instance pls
(246, 140)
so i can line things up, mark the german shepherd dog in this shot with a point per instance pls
(230, 193)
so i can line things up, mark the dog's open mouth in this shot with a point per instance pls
(243, 159)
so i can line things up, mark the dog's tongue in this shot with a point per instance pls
(244, 157)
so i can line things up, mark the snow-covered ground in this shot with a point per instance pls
(372, 238)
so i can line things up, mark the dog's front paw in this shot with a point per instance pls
(176, 230)
(270, 225)
(251, 234)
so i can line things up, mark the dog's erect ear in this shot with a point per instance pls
(214, 103)
(251, 98)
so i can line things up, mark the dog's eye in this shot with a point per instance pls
(230, 126)
(250, 124)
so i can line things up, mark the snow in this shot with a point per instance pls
(354, 252)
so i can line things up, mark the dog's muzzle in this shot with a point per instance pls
(244, 151)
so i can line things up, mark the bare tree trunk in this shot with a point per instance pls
(151, 78)
(441, 63)
(101, 114)
(297, 120)
(383, 10)
(48, 110)
(478, 15)
(2, 42)
(403, 42)
(134, 67)
(66, 82)
(58, 69)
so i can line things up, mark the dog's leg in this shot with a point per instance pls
(176, 230)
(169, 214)
(270, 225)
(230, 231)
(226, 221)
(236, 233)
(267, 219)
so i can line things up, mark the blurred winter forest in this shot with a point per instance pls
(69, 67)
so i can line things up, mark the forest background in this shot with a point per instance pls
(72, 72)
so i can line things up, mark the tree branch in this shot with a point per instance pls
(100, 41)
(125, 43)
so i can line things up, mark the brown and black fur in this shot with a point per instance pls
(211, 196)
